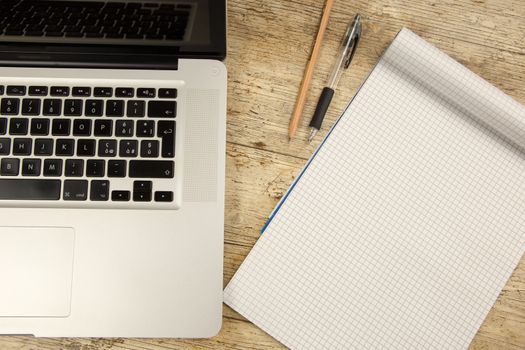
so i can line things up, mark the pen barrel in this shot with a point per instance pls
(322, 107)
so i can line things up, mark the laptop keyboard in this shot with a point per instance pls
(91, 144)
(94, 19)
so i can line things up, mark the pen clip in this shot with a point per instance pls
(355, 35)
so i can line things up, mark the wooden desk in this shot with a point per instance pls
(269, 43)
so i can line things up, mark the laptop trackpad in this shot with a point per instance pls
(36, 265)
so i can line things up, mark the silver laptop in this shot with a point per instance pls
(112, 148)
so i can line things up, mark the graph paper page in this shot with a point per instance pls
(407, 223)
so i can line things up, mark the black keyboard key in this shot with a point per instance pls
(52, 107)
(59, 91)
(75, 190)
(149, 148)
(85, 148)
(16, 90)
(99, 190)
(163, 196)
(94, 108)
(1, 89)
(95, 168)
(81, 91)
(37, 90)
(117, 168)
(82, 127)
(30, 106)
(43, 147)
(103, 92)
(9, 167)
(146, 92)
(3, 126)
(22, 147)
(65, 147)
(73, 108)
(5, 146)
(115, 35)
(53, 167)
(39, 127)
(145, 128)
(94, 35)
(34, 33)
(14, 32)
(61, 127)
(103, 127)
(114, 108)
(55, 34)
(142, 185)
(155, 169)
(142, 196)
(9, 106)
(107, 148)
(124, 92)
(29, 189)
(162, 109)
(136, 109)
(167, 93)
(18, 126)
(128, 148)
(74, 168)
(166, 130)
(142, 191)
(31, 167)
(120, 196)
(124, 128)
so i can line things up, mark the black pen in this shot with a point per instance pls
(346, 53)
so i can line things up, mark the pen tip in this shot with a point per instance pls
(313, 131)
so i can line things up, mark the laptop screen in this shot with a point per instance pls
(152, 30)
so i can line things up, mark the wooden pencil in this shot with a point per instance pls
(301, 97)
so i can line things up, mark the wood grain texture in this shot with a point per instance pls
(269, 45)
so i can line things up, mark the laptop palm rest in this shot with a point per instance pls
(36, 267)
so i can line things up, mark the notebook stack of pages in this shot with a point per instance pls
(405, 225)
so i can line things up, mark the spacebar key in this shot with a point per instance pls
(156, 169)
(25, 189)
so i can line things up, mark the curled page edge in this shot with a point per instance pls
(483, 104)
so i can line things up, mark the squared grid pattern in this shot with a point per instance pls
(405, 226)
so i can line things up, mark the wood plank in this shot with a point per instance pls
(255, 182)
(496, 24)
(273, 50)
(235, 335)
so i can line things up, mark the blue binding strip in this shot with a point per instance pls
(281, 202)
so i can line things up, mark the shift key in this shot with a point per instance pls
(155, 169)
(26, 189)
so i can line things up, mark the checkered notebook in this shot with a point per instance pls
(407, 222)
